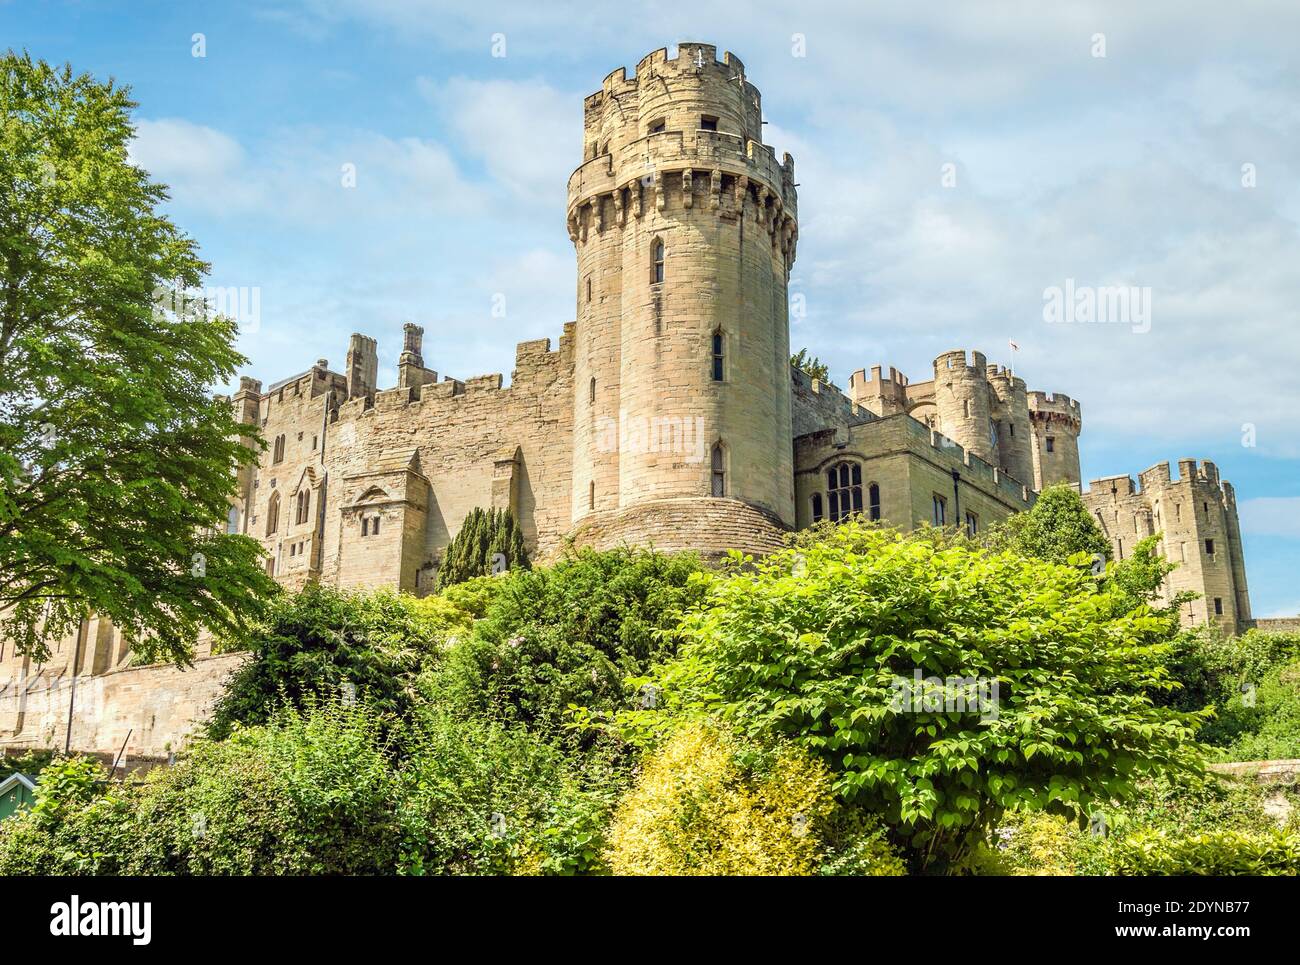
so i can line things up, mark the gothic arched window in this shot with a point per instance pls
(873, 501)
(718, 462)
(657, 261)
(278, 453)
(304, 503)
(844, 490)
(719, 355)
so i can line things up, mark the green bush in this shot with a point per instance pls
(1217, 853)
(818, 644)
(482, 797)
(569, 634)
(326, 644)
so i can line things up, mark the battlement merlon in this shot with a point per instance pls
(1055, 407)
(974, 362)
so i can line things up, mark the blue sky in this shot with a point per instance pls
(1123, 169)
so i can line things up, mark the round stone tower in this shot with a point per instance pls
(1011, 424)
(684, 224)
(962, 403)
(1056, 422)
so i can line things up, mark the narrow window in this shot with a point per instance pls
(1218, 606)
(1178, 511)
(273, 514)
(293, 549)
(314, 440)
(940, 509)
(278, 453)
(304, 502)
(708, 123)
(719, 463)
(374, 526)
(270, 566)
(1182, 552)
(588, 289)
(1209, 547)
(965, 408)
(873, 500)
(817, 513)
(972, 524)
(591, 390)
(365, 526)
(232, 520)
(719, 355)
(1012, 427)
(591, 495)
(657, 262)
(1051, 444)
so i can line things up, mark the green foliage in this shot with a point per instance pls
(481, 797)
(489, 543)
(708, 804)
(67, 783)
(1217, 853)
(811, 366)
(327, 643)
(1057, 527)
(569, 634)
(105, 411)
(814, 644)
(1263, 722)
(29, 763)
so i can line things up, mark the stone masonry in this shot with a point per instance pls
(668, 415)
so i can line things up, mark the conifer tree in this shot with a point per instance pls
(490, 541)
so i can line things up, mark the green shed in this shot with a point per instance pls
(16, 792)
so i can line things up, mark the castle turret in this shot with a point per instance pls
(1056, 422)
(1011, 425)
(883, 395)
(362, 366)
(962, 402)
(684, 224)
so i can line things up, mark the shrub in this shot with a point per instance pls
(324, 643)
(568, 634)
(1273, 852)
(489, 542)
(482, 797)
(820, 644)
(1057, 527)
(707, 805)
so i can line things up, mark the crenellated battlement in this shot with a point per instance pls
(974, 362)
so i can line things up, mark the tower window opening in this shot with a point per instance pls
(304, 503)
(844, 490)
(817, 513)
(657, 127)
(965, 408)
(719, 356)
(657, 261)
(1218, 606)
(273, 514)
(1209, 547)
(591, 390)
(718, 461)
(588, 289)
(1051, 444)
(591, 495)
(708, 123)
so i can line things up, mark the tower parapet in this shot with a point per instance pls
(684, 225)
(881, 394)
(962, 403)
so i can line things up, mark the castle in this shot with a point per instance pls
(668, 414)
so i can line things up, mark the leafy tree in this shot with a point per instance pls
(490, 542)
(115, 461)
(811, 366)
(323, 643)
(824, 644)
(572, 633)
(1057, 527)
